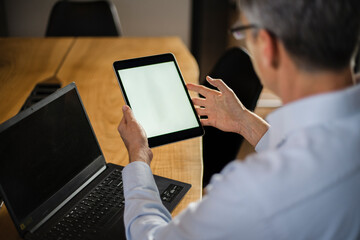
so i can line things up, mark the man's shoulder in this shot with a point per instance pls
(297, 171)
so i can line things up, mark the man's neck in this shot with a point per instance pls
(296, 84)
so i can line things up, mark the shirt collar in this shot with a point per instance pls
(310, 111)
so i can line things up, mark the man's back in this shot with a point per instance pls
(302, 184)
(304, 181)
(307, 180)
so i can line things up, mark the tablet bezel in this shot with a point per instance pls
(150, 60)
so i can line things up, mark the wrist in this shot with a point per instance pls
(243, 122)
(143, 154)
(252, 127)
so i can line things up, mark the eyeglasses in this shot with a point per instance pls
(238, 32)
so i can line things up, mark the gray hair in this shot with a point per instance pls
(318, 34)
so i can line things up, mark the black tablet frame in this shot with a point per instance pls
(149, 60)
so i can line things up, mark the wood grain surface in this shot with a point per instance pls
(25, 62)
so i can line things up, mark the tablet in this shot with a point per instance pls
(155, 90)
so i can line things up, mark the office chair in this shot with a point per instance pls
(85, 18)
(236, 70)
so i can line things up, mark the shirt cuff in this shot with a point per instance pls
(263, 144)
(137, 174)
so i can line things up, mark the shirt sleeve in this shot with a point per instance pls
(264, 142)
(211, 218)
(144, 211)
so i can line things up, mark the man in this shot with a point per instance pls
(304, 180)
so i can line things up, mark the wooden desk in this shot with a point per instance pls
(25, 62)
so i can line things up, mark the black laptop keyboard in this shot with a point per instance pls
(170, 193)
(96, 209)
(92, 212)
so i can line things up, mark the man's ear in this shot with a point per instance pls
(269, 49)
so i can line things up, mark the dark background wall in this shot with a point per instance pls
(209, 32)
(201, 24)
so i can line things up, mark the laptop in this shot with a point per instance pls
(54, 179)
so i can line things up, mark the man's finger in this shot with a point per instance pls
(199, 102)
(218, 83)
(205, 122)
(200, 89)
(128, 114)
(201, 111)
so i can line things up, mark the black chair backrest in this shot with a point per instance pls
(85, 18)
(236, 70)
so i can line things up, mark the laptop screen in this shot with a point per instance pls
(45, 150)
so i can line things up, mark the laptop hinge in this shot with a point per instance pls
(32, 230)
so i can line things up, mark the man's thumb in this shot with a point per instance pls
(128, 115)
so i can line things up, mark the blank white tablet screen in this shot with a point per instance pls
(158, 98)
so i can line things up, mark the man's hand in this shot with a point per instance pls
(222, 108)
(134, 137)
(225, 111)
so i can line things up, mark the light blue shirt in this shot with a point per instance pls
(303, 182)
